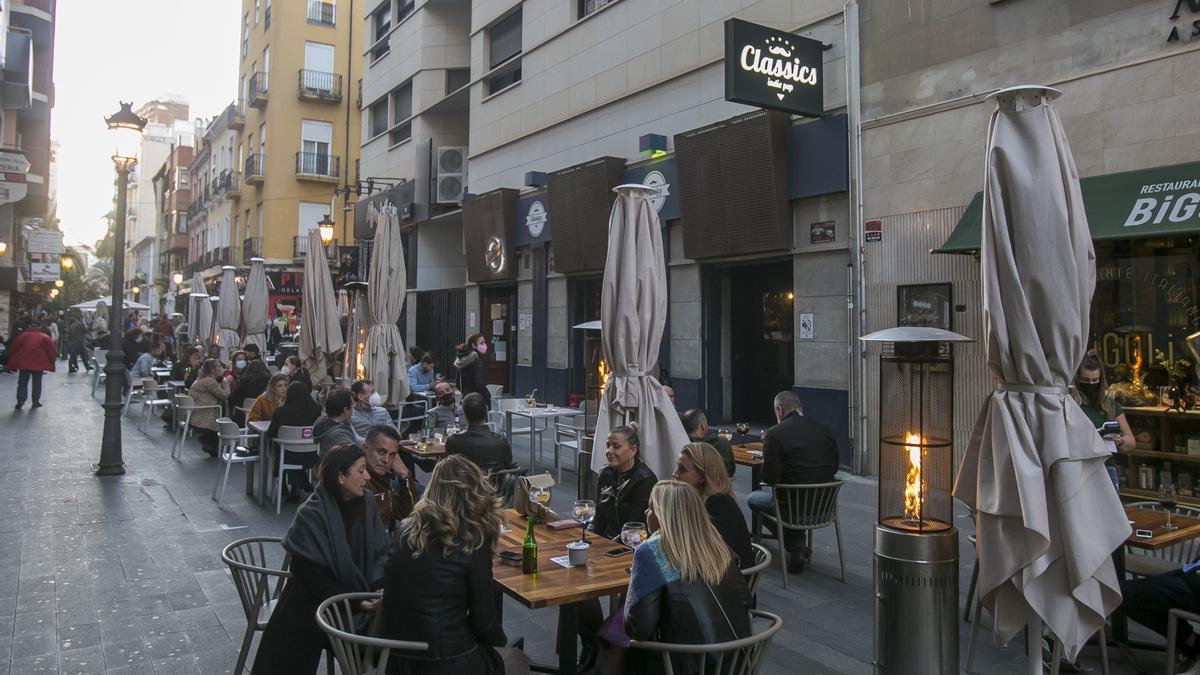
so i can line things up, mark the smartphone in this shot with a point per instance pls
(1110, 429)
(1143, 534)
(618, 552)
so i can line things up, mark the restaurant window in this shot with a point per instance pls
(587, 7)
(504, 52)
(377, 115)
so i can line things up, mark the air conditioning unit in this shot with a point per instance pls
(451, 175)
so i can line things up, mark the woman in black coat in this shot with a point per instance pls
(250, 384)
(298, 410)
(471, 367)
(701, 466)
(337, 545)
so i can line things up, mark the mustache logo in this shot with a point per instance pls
(779, 51)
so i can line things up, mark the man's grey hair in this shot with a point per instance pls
(787, 401)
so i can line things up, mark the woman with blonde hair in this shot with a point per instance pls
(685, 586)
(701, 466)
(438, 580)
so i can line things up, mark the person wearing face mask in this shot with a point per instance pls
(251, 385)
(1091, 393)
(296, 371)
(447, 409)
(237, 366)
(368, 408)
(471, 367)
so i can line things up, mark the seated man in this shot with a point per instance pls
(143, 367)
(333, 427)
(391, 482)
(695, 423)
(420, 375)
(489, 450)
(798, 450)
(367, 409)
(1148, 599)
(252, 352)
(446, 411)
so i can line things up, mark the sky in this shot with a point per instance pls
(187, 48)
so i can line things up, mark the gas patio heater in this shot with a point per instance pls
(356, 332)
(916, 543)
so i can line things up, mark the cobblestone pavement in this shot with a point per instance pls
(123, 575)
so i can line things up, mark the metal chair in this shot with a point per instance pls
(1174, 616)
(505, 490)
(736, 657)
(295, 440)
(1143, 563)
(99, 360)
(186, 405)
(135, 389)
(151, 401)
(803, 508)
(417, 415)
(762, 560)
(358, 654)
(258, 584)
(230, 453)
(567, 435)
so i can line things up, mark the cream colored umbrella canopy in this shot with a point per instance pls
(254, 306)
(633, 316)
(1048, 517)
(200, 314)
(229, 314)
(384, 356)
(320, 332)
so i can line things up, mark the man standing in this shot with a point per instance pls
(31, 353)
(391, 482)
(367, 411)
(333, 427)
(489, 450)
(77, 334)
(798, 450)
(695, 423)
(420, 375)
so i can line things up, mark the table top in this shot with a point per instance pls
(543, 412)
(434, 449)
(178, 384)
(1144, 519)
(742, 456)
(260, 426)
(554, 584)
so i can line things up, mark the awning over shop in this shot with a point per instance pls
(1159, 202)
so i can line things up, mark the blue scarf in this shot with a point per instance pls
(651, 571)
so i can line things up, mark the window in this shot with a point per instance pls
(181, 222)
(181, 179)
(245, 35)
(378, 117)
(403, 9)
(262, 140)
(242, 93)
(322, 12)
(381, 23)
(260, 221)
(257, 7)
(318, 69)
(457, 78)
(504, 50)
(587, 7)
(401, 110)
(267, 16)
(315, 139)
(310, 215)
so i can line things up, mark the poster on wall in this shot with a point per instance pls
(924, 305)
(824, 232)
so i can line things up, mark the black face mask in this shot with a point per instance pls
(447, 400)
(1090, 390)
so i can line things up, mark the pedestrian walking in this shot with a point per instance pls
(77, 336)
(31, 353)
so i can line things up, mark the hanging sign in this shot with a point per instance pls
(13, 167)
(769, 68)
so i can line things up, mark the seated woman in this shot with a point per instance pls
(701, 466)
(1091, 393)
(293, 368)
(266, 403)
(447, 544)
(338, 545)
(298, 410)
(685, 587)
(208, 391)
(249, 384)
(624, 485)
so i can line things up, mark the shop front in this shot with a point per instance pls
(488, 240)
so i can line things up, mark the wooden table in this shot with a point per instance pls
(434, 450)
(557, 586)
(1144, 519)
(742, 457)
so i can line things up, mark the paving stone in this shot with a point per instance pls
(78, 637)
(82, 661)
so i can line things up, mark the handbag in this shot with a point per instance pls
(527, 508)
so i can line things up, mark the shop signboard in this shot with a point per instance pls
(45, 241)
(41, 271)
(663, 177)
(873, 231)
(533, 219)
(769, 68)
(13, 167)
(286, 283)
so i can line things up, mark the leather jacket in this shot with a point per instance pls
(490, 451)
(623, 498)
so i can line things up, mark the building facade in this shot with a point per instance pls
(173, 194)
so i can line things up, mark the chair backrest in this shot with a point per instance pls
(253, 566)
(807, 507)
(248, 403)
(228, 429)
(495, 389)
(504, 486)
(358, 654)
(101, 357)
(1184, 551)
(762, 559)
(736, 657)
(150, 385)
(184, 401)
(294, 434)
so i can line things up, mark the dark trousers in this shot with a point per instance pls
(1147, 601)
(23, 385)
(77, 353)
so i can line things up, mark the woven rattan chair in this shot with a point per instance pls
(358, 654)
(762, 560)
(803, 508)
(258, 583)
(737, 657)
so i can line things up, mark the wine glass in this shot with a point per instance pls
(1168, 499)
(743, 428)
(538, 497)
(584, 511)
(531, 399)
(634, 533)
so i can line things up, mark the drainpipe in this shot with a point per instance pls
(346, 131)
(857, 291)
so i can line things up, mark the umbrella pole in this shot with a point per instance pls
(1033, 645)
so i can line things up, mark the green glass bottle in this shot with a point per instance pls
(529, 551)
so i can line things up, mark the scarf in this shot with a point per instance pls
(651, 571)
(318, 534)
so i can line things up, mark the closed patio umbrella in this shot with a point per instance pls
(1047, 516)
(386, 288)
(633, 313)
(199, 313)
(254, 306)
(229, 314)
(320, 332)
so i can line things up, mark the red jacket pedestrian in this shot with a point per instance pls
(32, 350)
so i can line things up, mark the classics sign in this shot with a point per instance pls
(535, 220)
(768, 68)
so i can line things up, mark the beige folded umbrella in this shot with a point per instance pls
(254, 306)
(386, 289)
(320, 332)
(229, 314)
(633, 316)
(1048, 518)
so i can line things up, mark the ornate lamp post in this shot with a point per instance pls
(325, 227)
(126, 127)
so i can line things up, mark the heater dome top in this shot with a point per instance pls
(914, 334)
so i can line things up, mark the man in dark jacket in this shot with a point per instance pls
(333, 427)
(391, 483)
(1148, 601)
(489, 450)
(77, 334)
(799, 450)
(695, 423)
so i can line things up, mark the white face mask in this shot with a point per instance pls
(239, 364)
(285, 371)
(375, 401)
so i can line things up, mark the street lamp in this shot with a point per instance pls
(126, 127)
(3, 247)
(58, 283)
(135, 290)
(177, 278)
(325, 225)
(68, 263)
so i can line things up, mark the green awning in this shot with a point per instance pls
(1159, 202)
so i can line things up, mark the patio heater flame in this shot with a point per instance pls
(603, 372)
(913, 488)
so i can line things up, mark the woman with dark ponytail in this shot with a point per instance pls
(470, 365)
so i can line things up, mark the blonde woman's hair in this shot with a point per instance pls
(710, 465)
(458, 510)
(687, 537)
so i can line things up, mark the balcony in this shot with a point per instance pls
(257, 90)
(175, 242)
(318, 86)
(318, 167)
(300, 248)
(254, 169)
(322, 12)
(251, 248)
(230, 184)
(237, 115)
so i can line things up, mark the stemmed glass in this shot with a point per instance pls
(531, 399)
(743, 428)
(584, 511)
(634, 533)
(1168, 499)
(538, 496)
